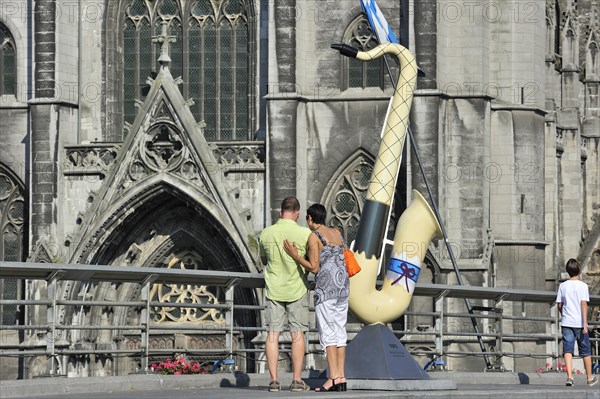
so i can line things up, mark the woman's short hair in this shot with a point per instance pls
(317, 213)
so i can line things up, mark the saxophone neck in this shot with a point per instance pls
(408, 64)
(405, 57)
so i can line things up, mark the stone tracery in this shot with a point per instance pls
(211, 53)
(185, 293)
(345, 200)
(12, 217)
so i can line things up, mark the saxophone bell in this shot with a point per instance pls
(416, 228)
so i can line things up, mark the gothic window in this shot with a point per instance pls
(8, 62)
(570, 48)
(357, 73)
(344, 202)
(592, 100)
(12, 213)
(211, 53)
(592, 59)
(592, 76)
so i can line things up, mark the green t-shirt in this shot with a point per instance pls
(285, 280)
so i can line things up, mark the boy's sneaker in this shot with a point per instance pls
(592, 382)
(274, 386)
(569, 382)
(299, 386)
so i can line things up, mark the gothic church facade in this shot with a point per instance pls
(165, 133)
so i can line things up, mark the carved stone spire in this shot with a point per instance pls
(164, 39)
(594, 16)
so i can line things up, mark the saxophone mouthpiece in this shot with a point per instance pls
(345, 49)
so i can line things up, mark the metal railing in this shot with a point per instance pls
(441, 335)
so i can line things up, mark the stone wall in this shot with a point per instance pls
(505, 120)
(92, 46)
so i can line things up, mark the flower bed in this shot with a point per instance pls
(559, 367)
(178, 367)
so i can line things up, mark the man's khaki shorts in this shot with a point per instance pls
(296, 314)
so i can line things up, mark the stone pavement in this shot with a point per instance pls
(248, 386)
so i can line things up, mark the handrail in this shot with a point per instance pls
(438, 337)
(129, 274)
(125, 274)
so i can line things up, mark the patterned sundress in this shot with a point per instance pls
(331, 281)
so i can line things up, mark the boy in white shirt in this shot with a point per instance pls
(572, 299)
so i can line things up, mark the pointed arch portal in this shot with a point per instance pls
(163, 223)
(162, 219)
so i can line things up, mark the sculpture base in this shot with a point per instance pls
(376, 354)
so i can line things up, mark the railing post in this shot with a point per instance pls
(439, 324)
(145, 318)
(229, 320)
(51, 317)
(500, 332)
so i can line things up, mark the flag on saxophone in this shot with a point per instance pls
(378, 22)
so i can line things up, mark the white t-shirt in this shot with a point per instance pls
(570, 294)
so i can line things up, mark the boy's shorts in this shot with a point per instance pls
(572, 334)
(296, 314)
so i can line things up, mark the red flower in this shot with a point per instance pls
(177, 367)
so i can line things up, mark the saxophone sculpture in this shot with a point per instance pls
(417, 225)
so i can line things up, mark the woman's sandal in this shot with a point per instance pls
(342, 385)
(333, 388)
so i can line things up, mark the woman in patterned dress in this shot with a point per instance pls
(332, 287)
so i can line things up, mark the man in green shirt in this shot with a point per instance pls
(286, 291)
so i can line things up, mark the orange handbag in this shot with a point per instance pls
(352, 265)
